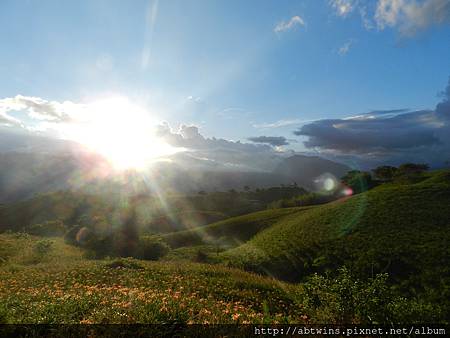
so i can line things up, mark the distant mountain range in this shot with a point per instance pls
(32, 164)
(23, 175)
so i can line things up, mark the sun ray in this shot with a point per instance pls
(121, 131)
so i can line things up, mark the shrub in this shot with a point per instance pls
(358, 181)
(40, 250)
(410, 172)
(151, 248)
(385, 173)
(345, 300)
(42, 247)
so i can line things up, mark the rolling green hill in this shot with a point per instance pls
(232, 231)
(401, 229)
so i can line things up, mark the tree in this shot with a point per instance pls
(411, 172)
(412, 168)
(385, 173)
(358, 181)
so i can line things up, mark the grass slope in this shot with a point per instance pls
(232, 231)
(402, 229)
(63, 287)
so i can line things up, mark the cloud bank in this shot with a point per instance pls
(232, 154)
(394, 134)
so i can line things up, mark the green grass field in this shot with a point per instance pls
(63, 287)
(262, 267)
(402, 229)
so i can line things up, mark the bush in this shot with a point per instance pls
(347, 300)
(385, 173)
(358, 181)
(47, 229)
(151, 248)
(410, 172)
(40, 250)
(42, 247)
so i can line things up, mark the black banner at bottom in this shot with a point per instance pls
(181, 330)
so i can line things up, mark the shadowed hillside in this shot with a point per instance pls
(401, 229)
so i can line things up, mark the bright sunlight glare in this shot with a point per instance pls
(122, 132)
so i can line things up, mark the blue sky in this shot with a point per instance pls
(233, 68)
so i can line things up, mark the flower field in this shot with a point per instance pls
(65, 288)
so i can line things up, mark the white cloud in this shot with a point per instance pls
(410, 16)
(343, 7)
(345, 48)
(249, 155)
(41, 109)
(288, 25)
(194, 98)
(407, 16)
(400, 134)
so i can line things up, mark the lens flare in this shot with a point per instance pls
(326, 183)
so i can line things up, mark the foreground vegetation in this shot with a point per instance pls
(380, 256)
(47, 281)
(58, 285)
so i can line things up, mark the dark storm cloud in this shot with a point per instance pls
(399, 133)
(272, 140)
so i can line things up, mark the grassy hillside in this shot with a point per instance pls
(47, 281)
(401, 229)
(232, 231)
(60, 286)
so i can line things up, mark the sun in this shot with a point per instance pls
(122, 132)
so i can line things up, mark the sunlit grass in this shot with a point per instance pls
(65, 288)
